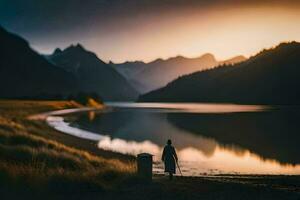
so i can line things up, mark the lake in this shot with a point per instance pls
(209, 138)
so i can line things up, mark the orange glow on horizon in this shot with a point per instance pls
(224, 32)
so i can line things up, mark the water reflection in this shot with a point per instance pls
(272, 134)
(242, 140)
(92, 115)
(129, 147)
(190, 107)
(142, 126)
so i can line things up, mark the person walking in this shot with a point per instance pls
(169, 157)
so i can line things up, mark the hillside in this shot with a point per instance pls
(149, 76)
(25, 73)
(93, 74)
(270, 77)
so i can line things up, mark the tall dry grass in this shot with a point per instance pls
(31, 162)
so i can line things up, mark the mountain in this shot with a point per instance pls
(93, 74)
(25, 73)
(234, 60)
(270, 77)
(149, 76)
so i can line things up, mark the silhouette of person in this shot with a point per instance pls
(169, 157)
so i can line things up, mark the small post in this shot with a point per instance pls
(144, 166)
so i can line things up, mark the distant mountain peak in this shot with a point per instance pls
(158, 60)
(77, 47)
(208, 55)
(233, 60)
(79, 51)
(180, 57)
(241, 57)
(57, 51)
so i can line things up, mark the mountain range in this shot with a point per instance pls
(153, 75)
(270, 77)
(93, 74)
(25, 73)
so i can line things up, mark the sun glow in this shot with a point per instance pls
(225, 32)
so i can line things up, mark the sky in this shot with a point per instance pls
(128, 30)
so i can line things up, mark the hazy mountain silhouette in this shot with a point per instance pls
(93, 74)
(25, 73)
(234, 60)
(270, 77)
(149, 76)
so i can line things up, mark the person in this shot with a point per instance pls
(169, 157)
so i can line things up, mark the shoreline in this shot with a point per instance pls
(39, 117)
(55, 119)
(84, 184)
(88, 143)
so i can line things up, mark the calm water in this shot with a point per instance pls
(209, 138)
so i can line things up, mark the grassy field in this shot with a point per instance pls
(38, 162)
(37, 159)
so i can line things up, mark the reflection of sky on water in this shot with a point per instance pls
(194, 162)
(140, 126)
(133, 131)
(188, 107)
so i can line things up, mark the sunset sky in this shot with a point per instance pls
(121, 30)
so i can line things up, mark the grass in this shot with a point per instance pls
(32, 160)
(37, 162)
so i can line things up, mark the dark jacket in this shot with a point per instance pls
(169, 156)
